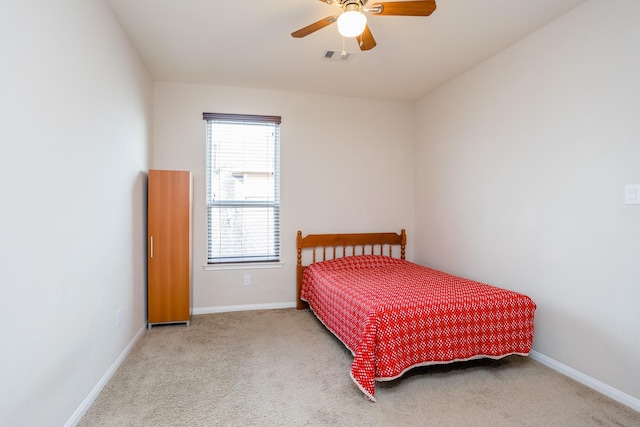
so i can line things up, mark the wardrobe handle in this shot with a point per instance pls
(151, 246)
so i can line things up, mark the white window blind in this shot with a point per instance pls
(243, 188)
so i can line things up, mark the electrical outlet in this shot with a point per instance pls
(118, 318)
(632, 194)
(247, 279)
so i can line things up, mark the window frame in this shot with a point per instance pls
(270, 259)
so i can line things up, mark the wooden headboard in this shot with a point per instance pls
(332, 246)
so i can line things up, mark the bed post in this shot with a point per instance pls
(403, 242)
(299, 303)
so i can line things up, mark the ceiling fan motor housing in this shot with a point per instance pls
(344, 3)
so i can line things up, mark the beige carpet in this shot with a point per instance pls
(283, 368)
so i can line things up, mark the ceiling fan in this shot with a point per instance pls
(352, 22)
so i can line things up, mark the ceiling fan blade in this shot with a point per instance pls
(314, 27)
(366, 40)
(404, 8)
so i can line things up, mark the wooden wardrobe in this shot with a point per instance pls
(169, 247)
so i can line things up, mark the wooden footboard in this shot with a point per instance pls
(329, 246)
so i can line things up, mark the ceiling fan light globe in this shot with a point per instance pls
(351, 23)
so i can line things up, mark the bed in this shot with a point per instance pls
(394, 315)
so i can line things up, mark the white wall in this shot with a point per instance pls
(346, 166)
(520, 174)
(75, 114)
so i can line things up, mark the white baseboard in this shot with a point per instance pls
(78, 414)
(248, 307)
(598, 386)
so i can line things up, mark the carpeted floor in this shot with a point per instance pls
(283, 368)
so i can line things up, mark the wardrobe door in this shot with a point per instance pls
(169, 251)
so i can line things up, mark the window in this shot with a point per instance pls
(243, 188)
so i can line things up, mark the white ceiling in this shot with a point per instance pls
(248, 43)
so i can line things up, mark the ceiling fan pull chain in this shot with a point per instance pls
(344, 52)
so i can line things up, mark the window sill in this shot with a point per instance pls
(244, 266)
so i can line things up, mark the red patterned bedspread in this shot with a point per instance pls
(395, 315)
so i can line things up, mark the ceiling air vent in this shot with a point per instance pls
(337, 56)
